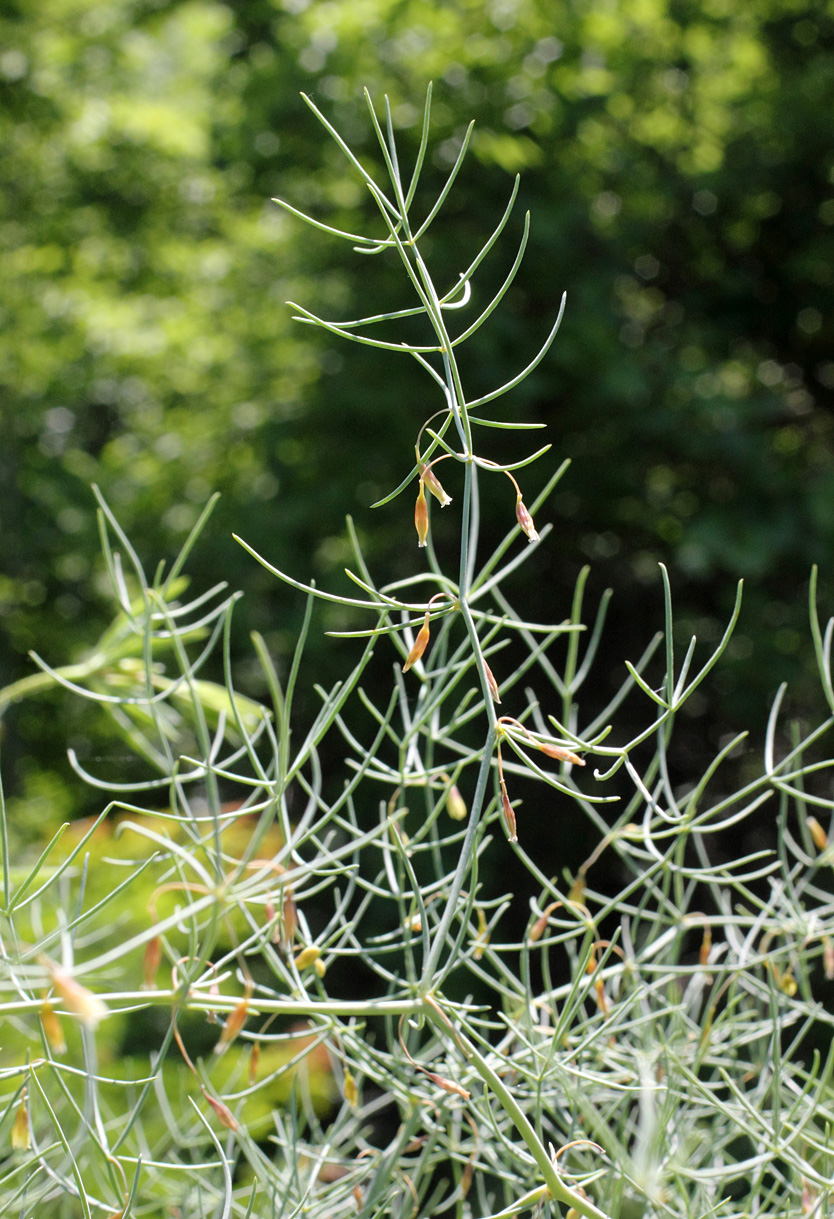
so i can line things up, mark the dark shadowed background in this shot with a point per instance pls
(678, 161)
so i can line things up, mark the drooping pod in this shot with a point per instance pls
(434, 484)
(525, 520)
(420, 644)
(492, 683)
(76, 998)
(421, 516)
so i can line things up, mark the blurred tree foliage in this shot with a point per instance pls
(678, 160)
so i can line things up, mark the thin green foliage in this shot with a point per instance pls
(343, 1012)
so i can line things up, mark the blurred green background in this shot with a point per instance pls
(678, 161)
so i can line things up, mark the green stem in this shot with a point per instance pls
(463, 576)
(464, 863)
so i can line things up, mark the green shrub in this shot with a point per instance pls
(291, 987)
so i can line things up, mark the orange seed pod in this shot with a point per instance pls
(52, 1029)
(540, 926)
(421, 516)
(234, 1023)
(602, 999)
(509, 815)
(466, 1179)
(492, 683)
(223, 1112)
(818, 834)
(559, 753)
(420, 644)
(21, 1137)
(448, 1085)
